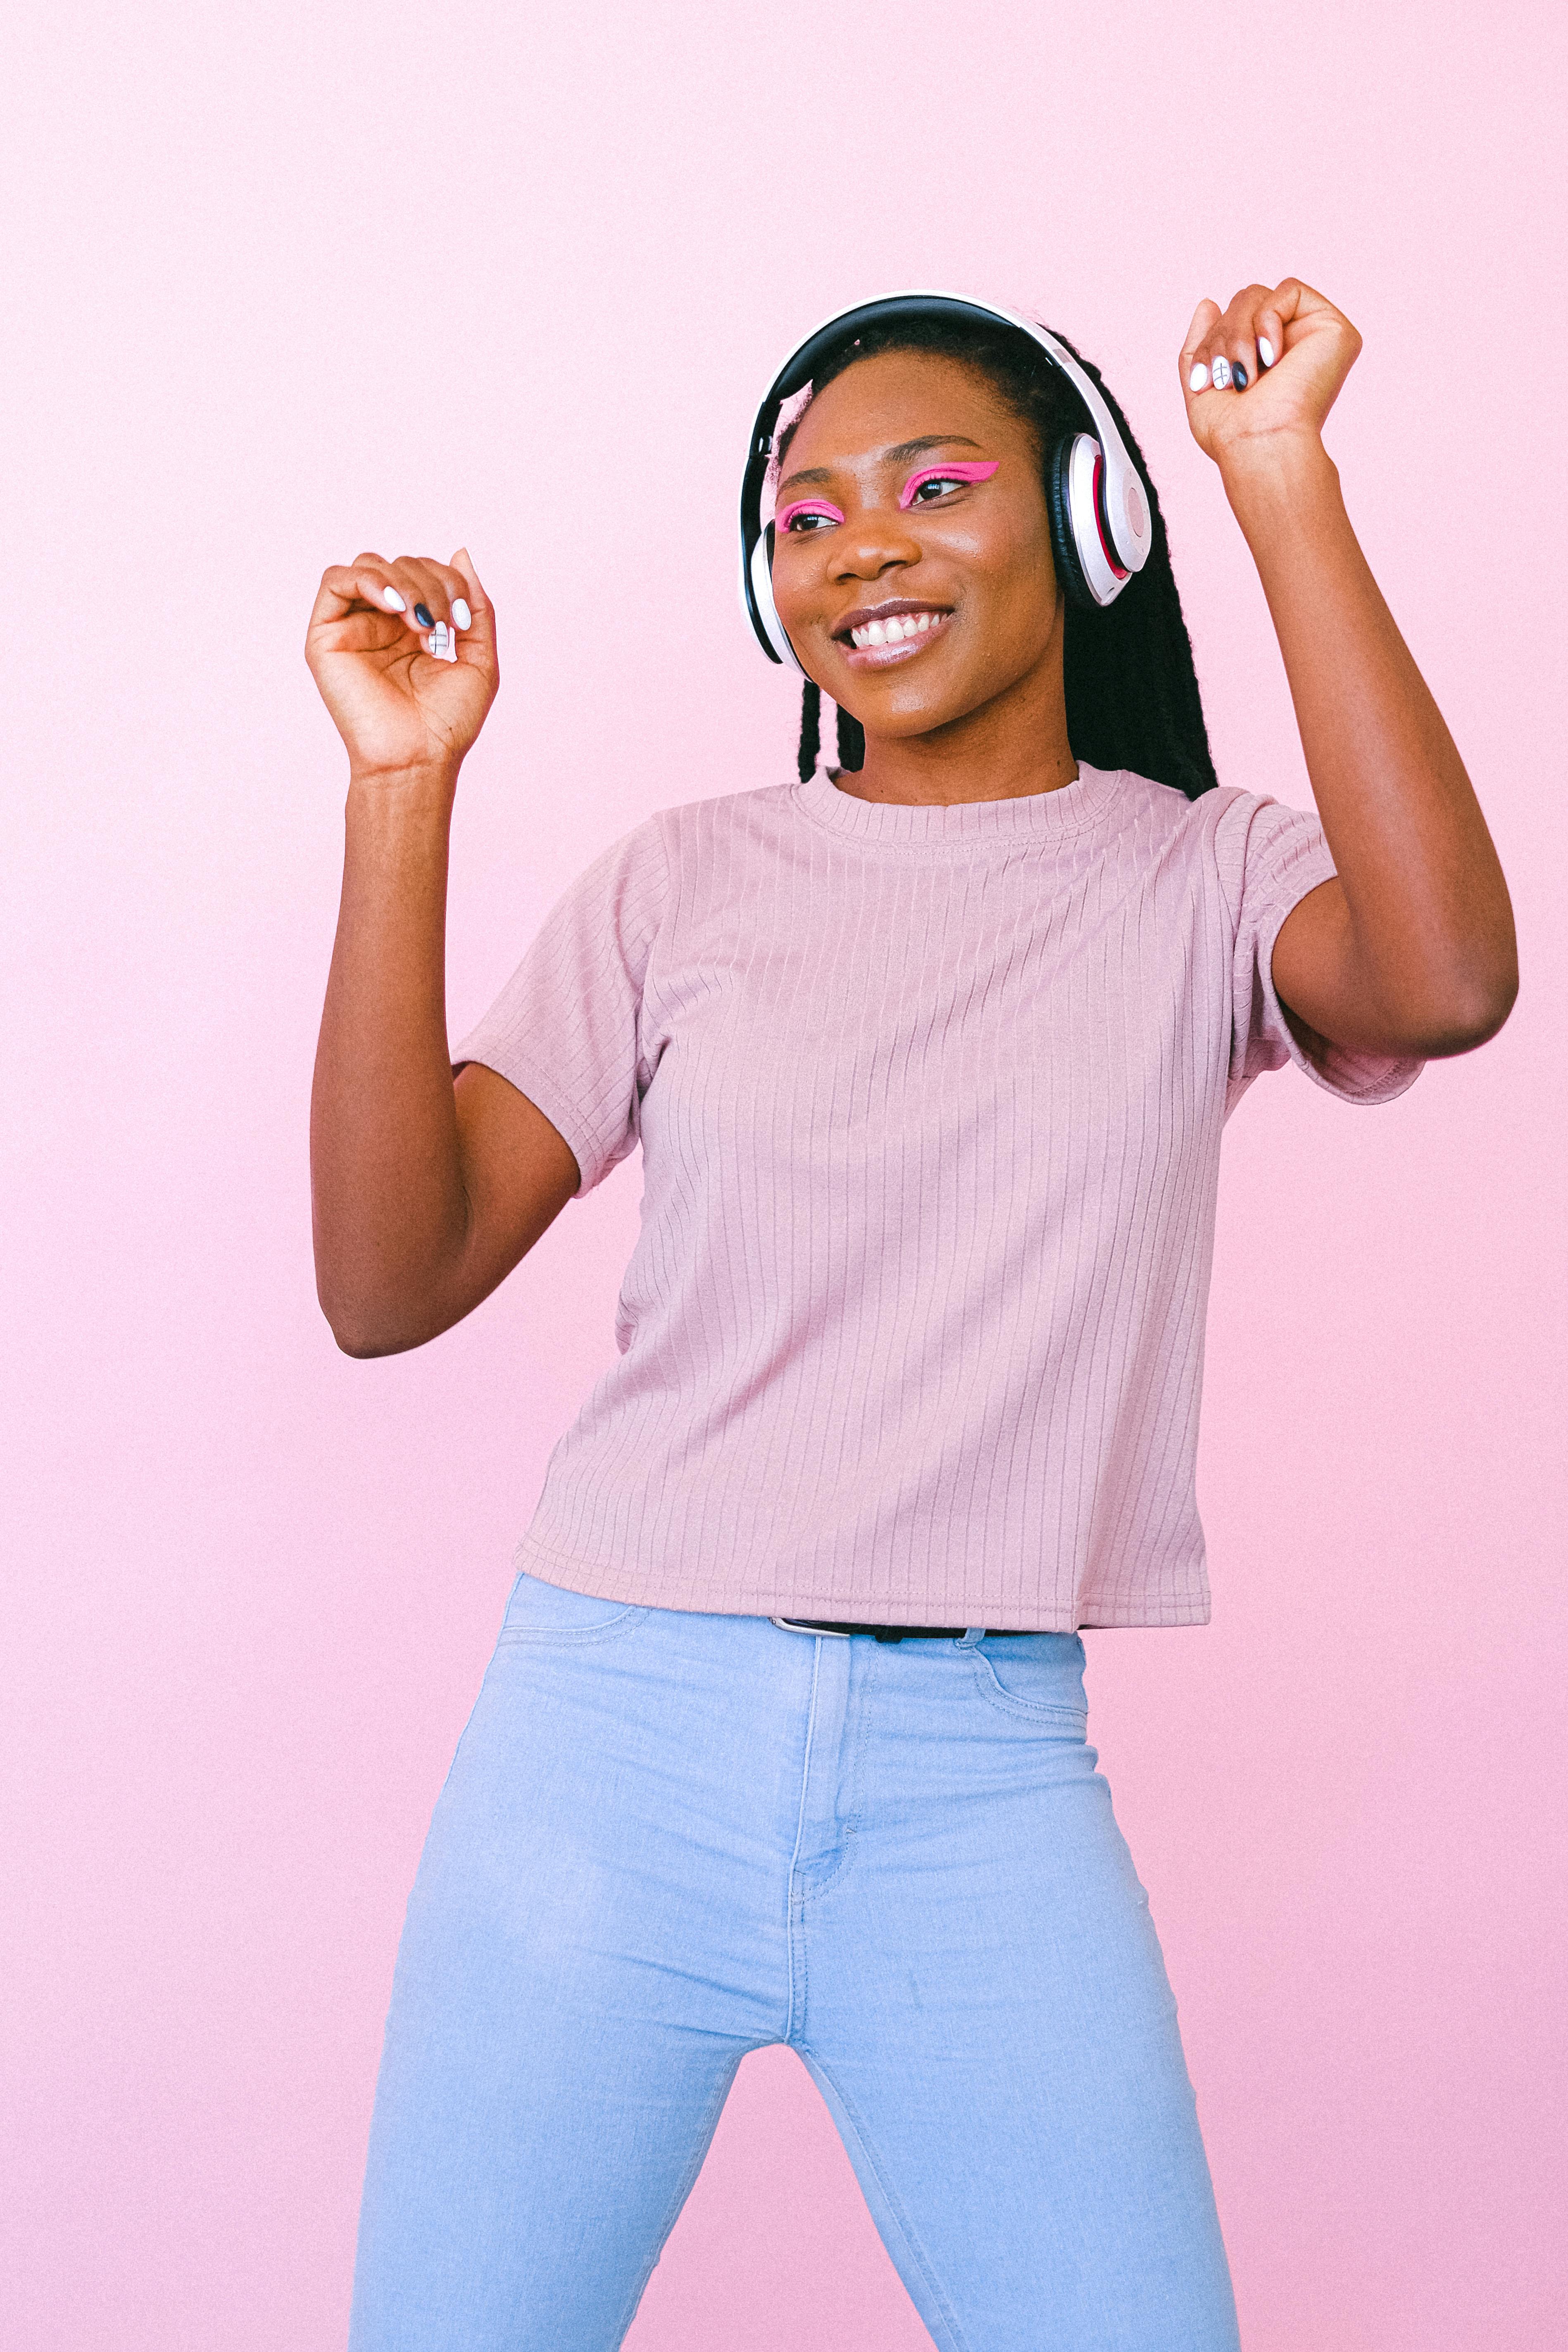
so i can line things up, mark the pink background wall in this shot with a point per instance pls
(295, 280)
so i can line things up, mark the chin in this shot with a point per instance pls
(902, 715)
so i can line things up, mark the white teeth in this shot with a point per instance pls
(893, 631)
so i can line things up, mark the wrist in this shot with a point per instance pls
(425, 786)
(1263, 469)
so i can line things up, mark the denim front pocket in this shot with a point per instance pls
(543, 1612)
(1035, 1680)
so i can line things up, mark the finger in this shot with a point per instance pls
(448, 594)
(1194, 359)
(1241, 350)
(1294, 298)
(1238, 336)
(403, 588)
(430, 608)
(366, 584)
(431, 601)
(1270, 335)
(478, 629)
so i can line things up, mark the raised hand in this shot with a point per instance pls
(1272, 363)
(404, 655)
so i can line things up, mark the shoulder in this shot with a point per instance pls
(719, 816)
(1154, 819)
(1219, 817)
(1249, 842)
(636, 879)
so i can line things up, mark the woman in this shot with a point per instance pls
(784, 1737)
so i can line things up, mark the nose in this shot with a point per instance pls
(873, 542)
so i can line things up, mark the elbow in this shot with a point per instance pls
(1482, 1026)
(359, 1329)
(1472, 1016)
(364, 1344)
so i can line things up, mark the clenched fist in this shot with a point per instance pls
(1271, 364)
(405, 657)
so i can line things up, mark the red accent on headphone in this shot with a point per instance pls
(1106, 542)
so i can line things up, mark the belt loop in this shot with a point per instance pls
(976, 1635)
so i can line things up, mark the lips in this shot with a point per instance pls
(874, 634)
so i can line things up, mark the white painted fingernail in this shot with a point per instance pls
(1199, 379)
(1266, 351)
(460, 612)
(393, 601)
(1222, 373)
(429, 643)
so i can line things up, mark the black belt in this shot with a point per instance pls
(886, 1633)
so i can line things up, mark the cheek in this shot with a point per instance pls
(796, 585)
(1026, 578)
(1012, 575)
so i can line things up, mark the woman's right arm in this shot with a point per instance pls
(425, 1194)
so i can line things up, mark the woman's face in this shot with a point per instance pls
(912, 551)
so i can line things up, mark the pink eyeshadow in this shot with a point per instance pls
(806, 506)
(968, 472)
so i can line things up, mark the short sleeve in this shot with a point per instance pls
(1269, 859)
(567, 1027)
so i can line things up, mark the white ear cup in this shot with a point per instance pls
(1105, 575)
(762, 596)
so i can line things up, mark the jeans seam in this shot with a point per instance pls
(560, 1637)
(991, 1691)
(851, 1827)
(799, 1836)
(917, 2252)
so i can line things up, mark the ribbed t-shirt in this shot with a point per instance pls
(930, 1104)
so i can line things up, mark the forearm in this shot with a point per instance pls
(1425, 958)
(390, 1209)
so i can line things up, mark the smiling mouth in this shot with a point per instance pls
(891, 632)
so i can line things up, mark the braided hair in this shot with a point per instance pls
(1131, 690)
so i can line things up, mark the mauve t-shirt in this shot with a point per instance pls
(930, 1104)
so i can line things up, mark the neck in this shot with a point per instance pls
(1016, 745)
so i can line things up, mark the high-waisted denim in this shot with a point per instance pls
(668, 1839)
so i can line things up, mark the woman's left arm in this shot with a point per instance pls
(1411, 950)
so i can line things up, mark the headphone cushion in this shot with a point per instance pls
(1064, 546)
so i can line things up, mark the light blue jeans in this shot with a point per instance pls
(668, 1839)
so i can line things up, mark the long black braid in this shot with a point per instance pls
(810, 731)
(1132, 698)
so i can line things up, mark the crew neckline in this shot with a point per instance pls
(966, 824)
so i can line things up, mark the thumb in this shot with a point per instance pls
(480, 636)
(1203, 319)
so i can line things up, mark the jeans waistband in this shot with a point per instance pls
(891, 1633)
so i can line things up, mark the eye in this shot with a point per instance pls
(932, 487)
(807, 515)
(934, 482)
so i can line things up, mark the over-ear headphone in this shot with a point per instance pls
(1100, 531)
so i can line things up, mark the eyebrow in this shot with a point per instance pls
(894, 456)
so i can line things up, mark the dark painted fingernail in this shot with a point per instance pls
(1238, 376)
(422, 615)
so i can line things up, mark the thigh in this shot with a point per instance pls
(991, 2024)
(578, 1977)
